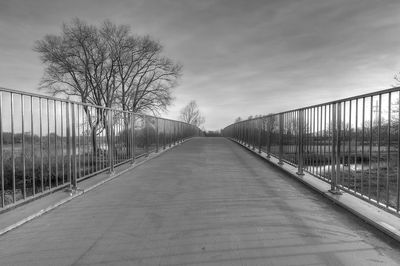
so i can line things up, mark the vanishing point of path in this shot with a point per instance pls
(206, 202)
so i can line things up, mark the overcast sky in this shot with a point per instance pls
(240, 57)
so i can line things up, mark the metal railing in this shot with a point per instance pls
(48, 143)
(351, 143)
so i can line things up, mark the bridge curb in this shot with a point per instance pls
(382, 220)
(80, 192)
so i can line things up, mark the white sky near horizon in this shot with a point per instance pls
(240, 57)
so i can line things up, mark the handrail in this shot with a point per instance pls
(376, 93)
(47, 143)
(2, 89)
(351, 143)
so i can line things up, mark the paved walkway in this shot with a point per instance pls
(206, 202)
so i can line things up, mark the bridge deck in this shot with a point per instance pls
(207, 202)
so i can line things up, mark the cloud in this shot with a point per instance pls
(240, 57)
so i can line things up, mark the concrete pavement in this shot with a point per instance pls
(207, 202)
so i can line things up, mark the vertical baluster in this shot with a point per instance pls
(133, 138)
(324, 141)
(319, 140)
(23, 147)
(1, 152)
(164, 135)
(362, 145)
(356, 148)
(74, 182)
(379, 150)
(280, 138)
(398, 156)
(388, 150)
(62, 143)
(33, 150)
(55, 143)
(12, 147)
(68, 141)
(349, 150)
(78, 125)
(330, 134)
(370, 149)
(110, 141)
(157, 135)
(48, 143)
(41, 144)
(300, 142)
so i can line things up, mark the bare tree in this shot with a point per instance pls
(78, 65)
(145, 76)
(191, 114)
(107, 66)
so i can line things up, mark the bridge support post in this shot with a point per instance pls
(133, 146)
(269, 129)
(164, 136)
(254, 133)
(280, 139)
(157, 136)
(260, 130)
(74, 182)
(246, 134)
(68, 142)
(110, 141)
(240, 128)
(243, 132)
(335, 159)
(174, 135)
(300, 160)
(146, 128)
(239, 132)
(170, 131)
(244, 128)
(249, 134)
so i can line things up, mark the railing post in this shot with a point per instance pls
(2, 155)
(254, 135)
(234, 132)
(241, 135)
(74, 182)
(174, 134)
(164, 136)
(243, 132)
(250, 139)
(146, 128)
(260, 130)
(110, 142)
(68, 133)
(280, 139)
(170, 133)
(335, 164)
(247, 134)
(157, 136)
(179, 133)
(300, 160)
(269, 129)
(240, 132)
(133, 138)
(237, 129)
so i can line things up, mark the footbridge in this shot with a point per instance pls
(304, 187)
